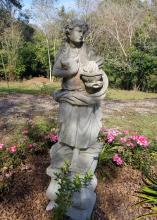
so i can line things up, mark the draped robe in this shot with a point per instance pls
(79, 112)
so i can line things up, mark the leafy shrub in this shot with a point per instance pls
(124, 147)
(67, 186)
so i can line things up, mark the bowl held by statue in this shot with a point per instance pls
(93, 83)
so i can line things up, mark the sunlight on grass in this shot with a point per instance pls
(117, 94)
(145, 124)
(46, 88)
(28, 87)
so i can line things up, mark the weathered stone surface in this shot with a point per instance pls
(84, 85)
(83, 204)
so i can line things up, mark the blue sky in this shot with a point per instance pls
(67, 3)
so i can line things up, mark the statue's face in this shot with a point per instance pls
(76, 35)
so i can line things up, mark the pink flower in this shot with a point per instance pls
(110, 138)
(25, 132)
(13, 149)
(53, 138)
(7, 175)
(123, 140)
(103, 129)
(1, 146)
(126, 132)
(112, 134)
(30, 146)
(140, 140)
(131, 144)
(117, 159)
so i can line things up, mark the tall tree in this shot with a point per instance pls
(44, 13)
(118, 22)
(11, 41)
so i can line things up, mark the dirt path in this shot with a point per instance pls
(26, 199)
(16, 108)
(25, 105)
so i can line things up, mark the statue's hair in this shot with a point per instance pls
(71, 24)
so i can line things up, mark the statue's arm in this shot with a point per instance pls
(65, 66)
(58, 70)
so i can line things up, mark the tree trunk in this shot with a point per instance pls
(49, 59)
(5, 72)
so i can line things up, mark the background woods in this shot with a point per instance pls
(123, 32)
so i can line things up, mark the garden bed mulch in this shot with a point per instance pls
(27, 201)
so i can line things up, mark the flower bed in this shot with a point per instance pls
(127, 148)
(32, 139)
(121, 148)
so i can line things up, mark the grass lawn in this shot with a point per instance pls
(145, 124)
(28, 87)
(116, 94)
(46, 88)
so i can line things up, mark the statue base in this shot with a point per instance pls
(83, 204)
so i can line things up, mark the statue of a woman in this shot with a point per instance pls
(84, 84)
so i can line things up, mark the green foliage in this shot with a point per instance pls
(107, 152)
(120, 148)
(9, 3)
(38, 133)
(11, 43)
(27, 54)
(138, 69)
(136, 72)
(41, 50)
(135, 69)
(148, 194)
(67, 186)
(144, 64)
(138, 158)
(33, 88)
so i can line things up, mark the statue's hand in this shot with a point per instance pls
(70, 64)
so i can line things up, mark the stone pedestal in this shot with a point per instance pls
(83, 204)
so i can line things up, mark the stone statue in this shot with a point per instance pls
(84, 85)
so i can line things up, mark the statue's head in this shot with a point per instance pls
(75, 30)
